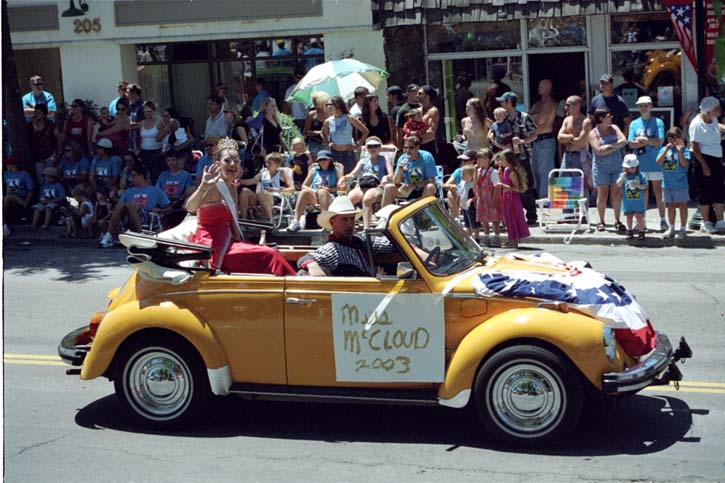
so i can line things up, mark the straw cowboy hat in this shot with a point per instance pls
(339, 206)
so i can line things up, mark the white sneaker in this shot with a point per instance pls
(664, 226)
(302, 222)
(709, 227)
(669, 232)
(294, 226)
(720, 226)
(682, 234)
(106, 241)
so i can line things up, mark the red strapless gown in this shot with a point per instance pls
(214, 230)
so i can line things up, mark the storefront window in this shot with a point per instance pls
(466, 78)
(656, 73)
(642, 27)
(473, 36)
(557, 32)
(148, 54)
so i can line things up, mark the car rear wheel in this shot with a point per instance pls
(162, 381)
(525, 395)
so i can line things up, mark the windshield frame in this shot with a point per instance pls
(463, 253)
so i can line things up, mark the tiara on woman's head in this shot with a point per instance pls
(227, 143)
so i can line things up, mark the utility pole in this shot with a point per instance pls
(12, 98)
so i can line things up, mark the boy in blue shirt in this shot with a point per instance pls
(137, 202)
(177, 184)
(633, 184)
(51, 196)
(675, 159)
(416, 170)
(18, 191)
(105, 168)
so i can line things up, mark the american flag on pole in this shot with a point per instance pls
(680, 12)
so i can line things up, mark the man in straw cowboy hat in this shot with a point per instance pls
(345, 253)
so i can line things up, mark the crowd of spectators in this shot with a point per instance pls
(133, 165)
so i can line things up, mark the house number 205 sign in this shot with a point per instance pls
(86, 25)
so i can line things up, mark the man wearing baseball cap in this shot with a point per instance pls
(616, 105)
(646, 135)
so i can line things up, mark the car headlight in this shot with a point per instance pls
(610, 343)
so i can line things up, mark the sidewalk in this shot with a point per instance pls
(609, 237)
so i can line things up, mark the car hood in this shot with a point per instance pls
(544, 277)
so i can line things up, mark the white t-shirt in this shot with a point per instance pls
(356, 111)
(707, 135)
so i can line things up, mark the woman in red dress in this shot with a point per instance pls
(217, 224)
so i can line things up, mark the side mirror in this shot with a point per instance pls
(406, 270)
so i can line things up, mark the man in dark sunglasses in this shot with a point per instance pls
(122, 94)
(38, 96)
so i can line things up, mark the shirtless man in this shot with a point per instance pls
(574, 133)
(431, 116)
(544, 148)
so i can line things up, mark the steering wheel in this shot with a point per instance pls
(433, 256)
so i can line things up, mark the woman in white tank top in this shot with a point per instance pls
(151, 136)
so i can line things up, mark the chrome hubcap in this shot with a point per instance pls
(526, 398)
(159, 384)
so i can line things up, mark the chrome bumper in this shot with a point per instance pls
(72, 353)
(658, 369)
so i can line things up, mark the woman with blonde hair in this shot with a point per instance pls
(314, 122)
(272, 140)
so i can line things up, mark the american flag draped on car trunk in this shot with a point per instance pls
(582, 288)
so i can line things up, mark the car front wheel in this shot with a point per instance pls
(161, 381)
(525, 395)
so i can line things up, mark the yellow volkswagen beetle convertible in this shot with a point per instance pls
(519, 339)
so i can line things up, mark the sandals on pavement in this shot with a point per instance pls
(600, 227)
(630, 235)
(641, 235)
(619, 226)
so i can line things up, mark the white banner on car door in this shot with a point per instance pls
(379, 339)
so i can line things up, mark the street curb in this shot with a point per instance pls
(24, 235)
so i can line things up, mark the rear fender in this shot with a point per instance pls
(577, 336)
(130, 318)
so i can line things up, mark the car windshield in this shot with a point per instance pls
(440, 241)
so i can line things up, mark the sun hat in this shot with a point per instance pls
(339, 206)
(630, 161)
(50, 171)
(373, 141)
(606, 78)
(469, 155)
(104, 143)
(644, 100)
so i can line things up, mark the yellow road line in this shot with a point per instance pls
(30, 356)
(683, 389)
(34, 363)
(703, 384)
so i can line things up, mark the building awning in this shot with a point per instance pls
(392, 13)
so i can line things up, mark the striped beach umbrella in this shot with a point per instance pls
(337, 78)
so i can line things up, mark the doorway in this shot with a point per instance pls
(567, 72)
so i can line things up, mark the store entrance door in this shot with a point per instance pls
(567, 72)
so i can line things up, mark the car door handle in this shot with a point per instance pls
(303, 302)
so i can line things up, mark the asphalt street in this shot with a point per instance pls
(59, 428)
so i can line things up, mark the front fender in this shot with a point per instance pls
(576, 335)
(129, 318)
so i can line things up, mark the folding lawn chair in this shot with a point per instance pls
(566, 203)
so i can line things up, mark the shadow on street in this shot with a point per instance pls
(75, 262)
(638, 425)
